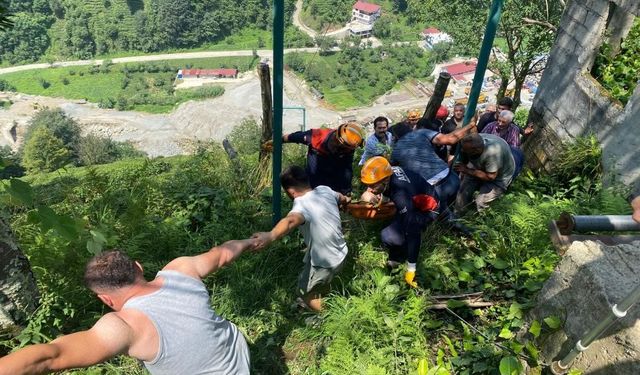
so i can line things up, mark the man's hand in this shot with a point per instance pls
(529, 129)
(460, 168)
(635, 204)
(262, 240)
(268, 146)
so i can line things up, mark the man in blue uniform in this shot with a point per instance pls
(417, 206)
(330, 155)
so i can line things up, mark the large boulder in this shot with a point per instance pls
(588, 281)
(18, 290)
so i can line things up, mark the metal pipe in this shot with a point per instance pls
(483, 58)
(568, 223)
(278, 74)
(303, 127)
(616, 313)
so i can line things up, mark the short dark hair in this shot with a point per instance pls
(423, 123)
(379, 119)
(475, 141)
(294, 177)
(400, 130)
(506, 101)
(110, 270)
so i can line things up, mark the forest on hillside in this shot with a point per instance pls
(81, 29)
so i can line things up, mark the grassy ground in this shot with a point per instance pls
(97, 85)
(373, 323)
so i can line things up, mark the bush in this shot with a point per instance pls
(245, 138)
(44, 83)
(6, 86)
(619, 73)
(44, 152)
(62, 126)
(107, 103)
(65, 81)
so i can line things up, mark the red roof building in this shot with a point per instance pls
(366, 8)
(462, 68)
(219, 73)
(430, 30)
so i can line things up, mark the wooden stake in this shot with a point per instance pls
(438, 96)
(267, 108)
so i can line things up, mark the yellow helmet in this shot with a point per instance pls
(375, 170)
(414, 115)
(350, 134)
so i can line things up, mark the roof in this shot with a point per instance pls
(431, 30)
(461, 68)
(365, 7)
(210, 72)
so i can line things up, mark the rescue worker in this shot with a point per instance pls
(412, 118)
(330, 154)
(417, 205)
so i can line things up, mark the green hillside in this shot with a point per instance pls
(159, 209)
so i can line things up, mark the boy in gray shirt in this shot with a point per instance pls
(316, 212)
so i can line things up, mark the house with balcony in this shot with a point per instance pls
(366, 13)
(433, 36)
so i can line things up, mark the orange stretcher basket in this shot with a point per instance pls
(370, 211)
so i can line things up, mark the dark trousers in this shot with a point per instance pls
(394, 238)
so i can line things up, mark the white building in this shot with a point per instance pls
(363, 30)
(365, 12)
(433, 36)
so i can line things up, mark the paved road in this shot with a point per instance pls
(167, 56)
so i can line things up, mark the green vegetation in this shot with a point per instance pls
(373, 324)
(326, 14)
(53, 141)
(619, 72)
(357, 75)
(75, 29)
(145, 87)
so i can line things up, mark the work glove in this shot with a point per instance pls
(268, 146)
(409, 277)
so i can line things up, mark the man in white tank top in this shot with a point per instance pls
(167, 323)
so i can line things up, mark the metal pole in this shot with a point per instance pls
(617, 312)
(304, 116)
(483, 59)
(568, 223)
(278, 73)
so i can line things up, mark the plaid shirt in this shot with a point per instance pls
(511, 134)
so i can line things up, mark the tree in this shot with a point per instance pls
(61, 126)
(27, 40)
(529, 28)
(44, 152)
(5, 22)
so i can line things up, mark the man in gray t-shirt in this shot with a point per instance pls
(316, 212)
(487, 166)
(167, 323)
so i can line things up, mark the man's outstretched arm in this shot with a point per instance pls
(200, 266)
(284, 226)
(453, 137)
(109, 337)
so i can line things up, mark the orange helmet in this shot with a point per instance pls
(414, 115)
(350, 134)
(375, 170)
(442, 113)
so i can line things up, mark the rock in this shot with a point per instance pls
(590, 279)
(18, 291)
